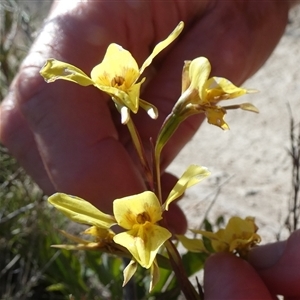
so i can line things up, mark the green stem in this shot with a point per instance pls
(168, 128)
(140, 151)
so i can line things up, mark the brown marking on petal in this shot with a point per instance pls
(143, 218)
(117, 81)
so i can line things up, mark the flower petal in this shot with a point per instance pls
(185, 81)
(217, 239)
(193, 245)
(219, 88)
(81, 211)
(162, 45)
(117, 62)
(129, 271)
(249, 107)
(199, 72)
(127, 209)
(154, 271)
(87, 246)
(100, 234)
(190, 177)
(215, 116)
(74, 238)
(55, 69)
(143, 242)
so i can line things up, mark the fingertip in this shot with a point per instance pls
(175, 220)
(281, 271)
(229, 277)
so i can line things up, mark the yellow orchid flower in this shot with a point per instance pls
(140, 213)
(201, 93)
(116, 75)
(238, 236)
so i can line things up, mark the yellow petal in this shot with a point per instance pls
(162, 45)
(54, 69)
(87, 246)
(210, 235)
(154, 272)
(128, 98)
(129, 271)
(243, 244)
(128, 209)
(190, 177)
(217, 239)
(199, 72)
(215, 116)
(238, 228)
(74, 238)
(134, 96)
(193, 245)
(249, 107)
(81, 211)
(117, 63)
(143, 242)
(100, 233)
(219, 88)
(244, 106)
(185, 81)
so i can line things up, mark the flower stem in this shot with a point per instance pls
(140, 151)
(168, 128)
(176, 262)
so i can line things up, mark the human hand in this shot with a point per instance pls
(69, 138)
(273, 269)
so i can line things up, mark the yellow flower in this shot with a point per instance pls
(116, 75)
(140, 213)
(201, 93)
(238, 236)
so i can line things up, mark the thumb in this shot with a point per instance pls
(229, 277)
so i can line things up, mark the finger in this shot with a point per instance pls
(279, 265)
(14, 130)
(229, 277)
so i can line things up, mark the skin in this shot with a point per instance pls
(271, 270)
(69, 138)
